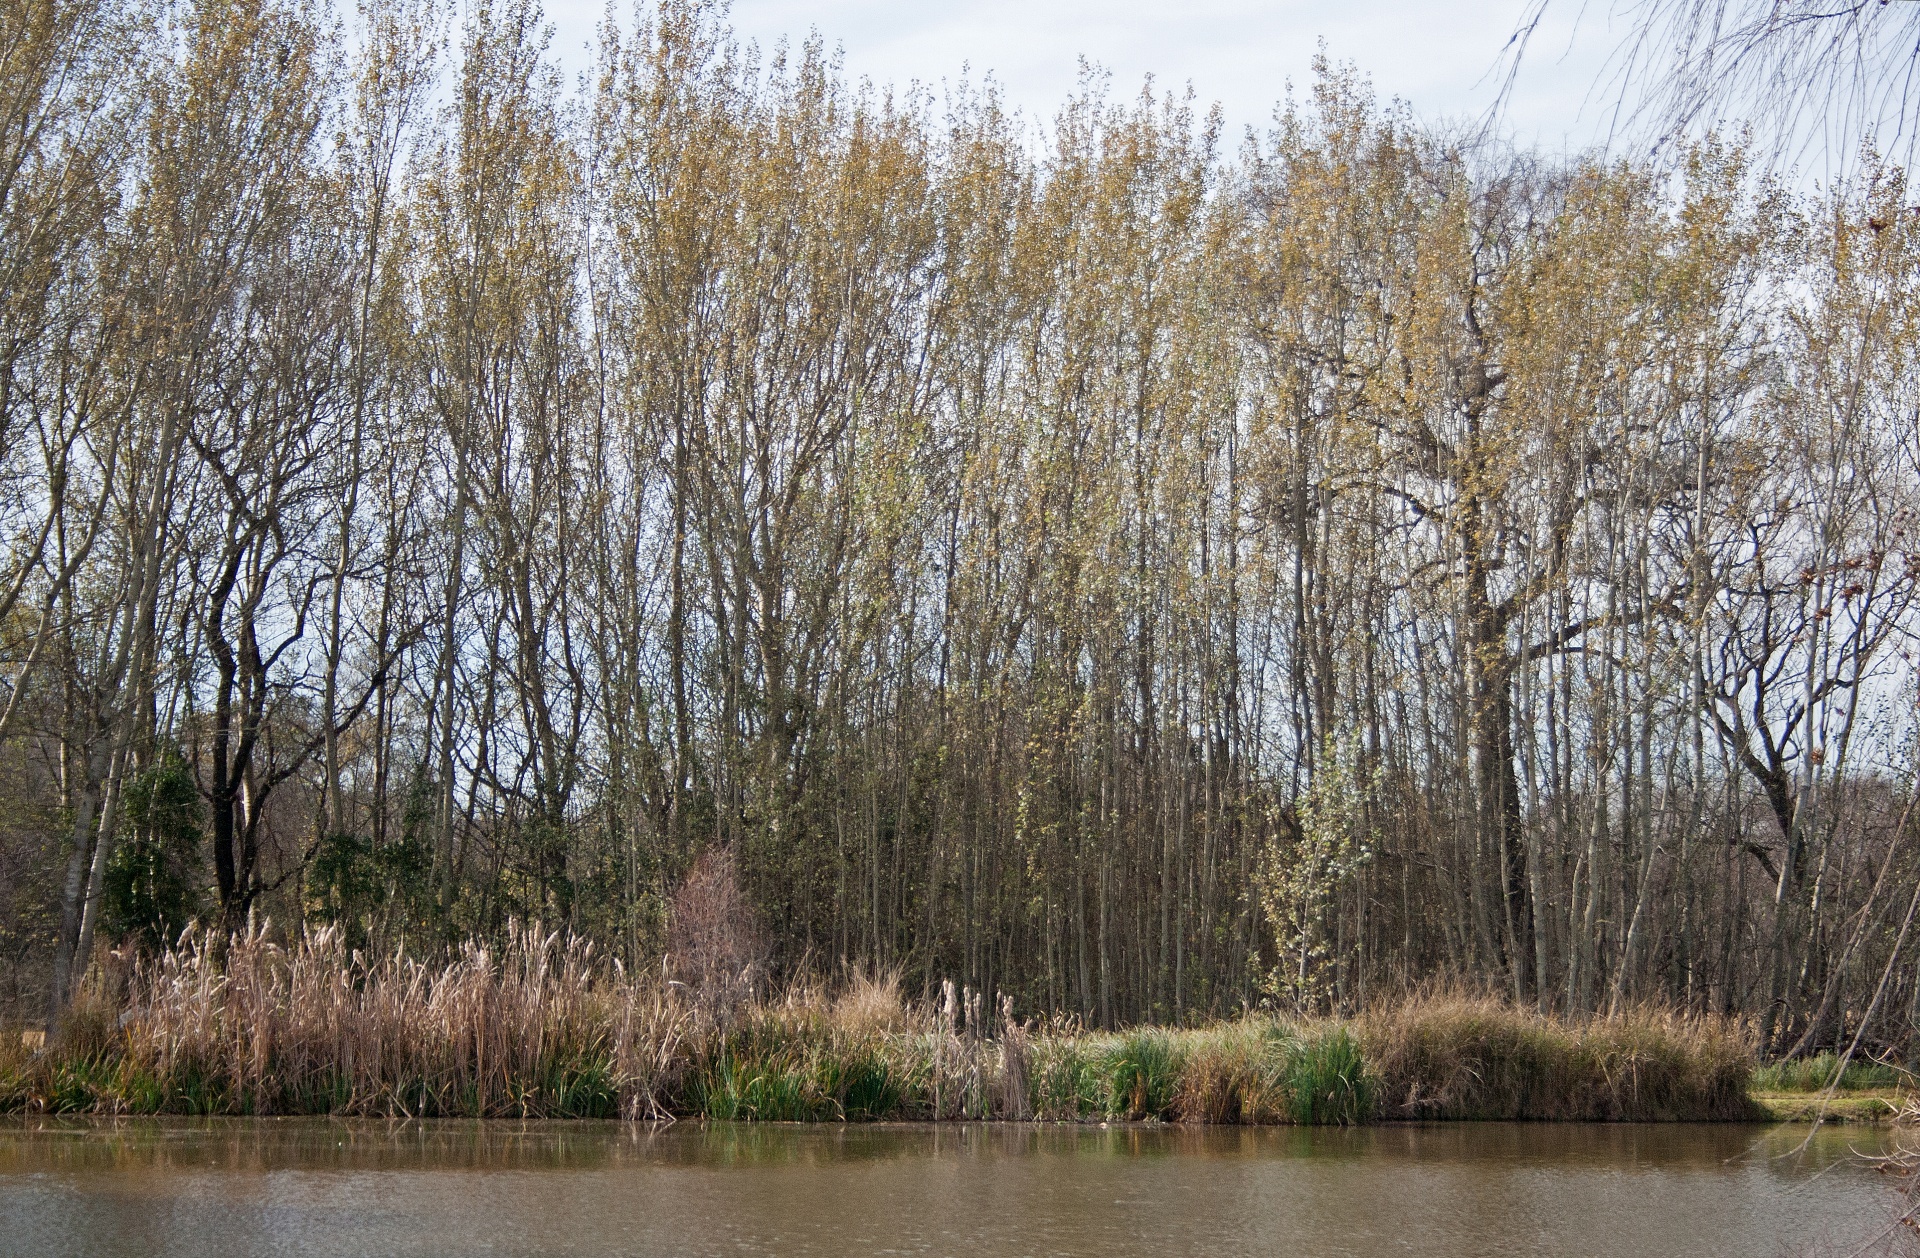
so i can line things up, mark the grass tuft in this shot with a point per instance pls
(1328, 1081)
(1142, 1071)
(1236, 1072)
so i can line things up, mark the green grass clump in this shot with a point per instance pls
(1816, 1074)
(864, 1084)
(1064, 1081)
(1142, 1075)
(795, 1064)
(574, 1086)
(761, 1070)
(1254, 1070)
(1328, 1081)
(740, 1090)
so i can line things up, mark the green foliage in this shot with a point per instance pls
(750, 1090)
(343, 880)
(865, 1085)
(1312, 852)
(575, 1085)
(796, 1065)
(153, 886)
(371, 890)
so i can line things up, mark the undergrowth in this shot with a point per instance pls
(543, 1028)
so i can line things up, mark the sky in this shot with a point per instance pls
(1441, 59)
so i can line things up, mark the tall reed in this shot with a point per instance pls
(246, 1026)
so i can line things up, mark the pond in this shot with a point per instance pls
(218, 1187)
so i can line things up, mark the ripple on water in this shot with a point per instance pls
(217, 1187)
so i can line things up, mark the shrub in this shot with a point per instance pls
(150, 891)
(714, 943)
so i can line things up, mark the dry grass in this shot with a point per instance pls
(1477, 1058)
(545, 1028)
(1237, 1073)
(870, 1004)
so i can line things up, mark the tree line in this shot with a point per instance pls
(1143, 572)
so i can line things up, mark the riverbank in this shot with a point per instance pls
(1872, 1108)
(542, 1029)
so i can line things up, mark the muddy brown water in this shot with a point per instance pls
(214, 1188)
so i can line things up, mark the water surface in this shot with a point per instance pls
(214, 1188)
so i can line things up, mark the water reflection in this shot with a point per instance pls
(215, 1187)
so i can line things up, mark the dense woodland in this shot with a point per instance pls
(1142, 570)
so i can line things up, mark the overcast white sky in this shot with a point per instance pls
(1439, 57)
